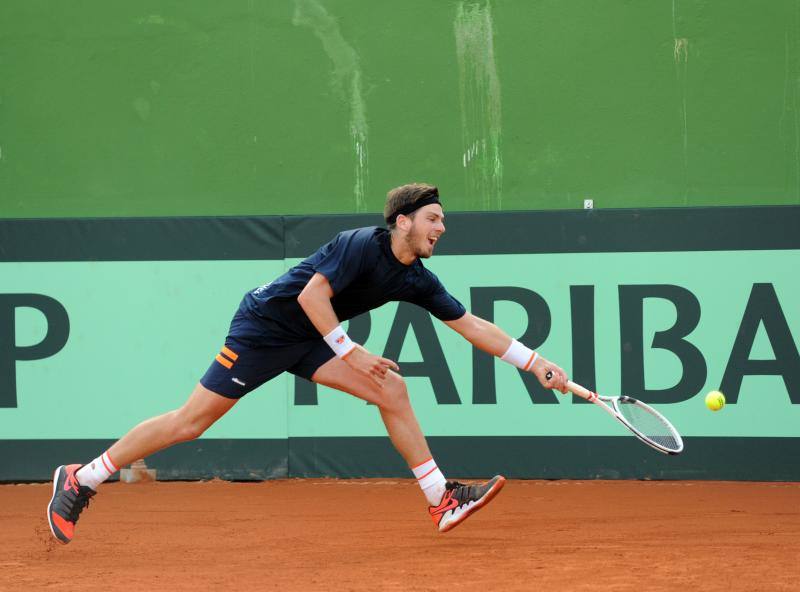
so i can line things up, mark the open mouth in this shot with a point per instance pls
(432, 240)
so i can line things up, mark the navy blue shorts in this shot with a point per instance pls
(246, 362)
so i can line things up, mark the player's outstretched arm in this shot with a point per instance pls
(315, 300)
(493, 340)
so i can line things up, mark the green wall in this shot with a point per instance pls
(320, 106)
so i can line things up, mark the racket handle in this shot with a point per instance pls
(575, 388)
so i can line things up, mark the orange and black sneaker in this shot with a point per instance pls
(68, 501)
(459, 501)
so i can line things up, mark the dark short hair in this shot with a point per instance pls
(404, 195)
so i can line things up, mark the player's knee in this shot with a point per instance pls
(395, 393)
(187, 428)
(191, 431)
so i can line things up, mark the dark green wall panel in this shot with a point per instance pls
(759, 459)
(232, 459)
(273, 237)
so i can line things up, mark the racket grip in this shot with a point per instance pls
(575, 389)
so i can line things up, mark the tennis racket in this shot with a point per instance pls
(646, 423)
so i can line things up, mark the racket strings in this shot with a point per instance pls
(649, 424)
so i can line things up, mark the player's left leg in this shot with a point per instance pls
(392, 402)
(450, 502)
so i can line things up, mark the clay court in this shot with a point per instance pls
(374, 535)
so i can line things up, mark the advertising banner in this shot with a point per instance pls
(105, 323)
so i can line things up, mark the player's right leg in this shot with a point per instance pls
(74, 485)
(188, 422)
(241, 366)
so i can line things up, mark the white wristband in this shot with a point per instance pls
(520, 356)
(339, 342)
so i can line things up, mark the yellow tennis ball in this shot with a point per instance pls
(715, 400)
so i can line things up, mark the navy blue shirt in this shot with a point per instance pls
(363, 273)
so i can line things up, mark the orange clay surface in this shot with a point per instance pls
(335, 535)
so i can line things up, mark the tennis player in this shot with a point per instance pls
(293, 324)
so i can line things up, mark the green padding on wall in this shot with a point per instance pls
(754, 459)
(232, 459)
(273, 237)
(141, 239)
(585, 231)
(253, 459)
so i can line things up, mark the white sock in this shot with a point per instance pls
(97, 471)
(431, 481)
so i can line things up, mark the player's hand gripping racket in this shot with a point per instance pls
(646, 423)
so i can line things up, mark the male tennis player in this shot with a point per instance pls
(293, 324)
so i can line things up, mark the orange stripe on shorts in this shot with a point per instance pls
(230, 353)
(223, 361)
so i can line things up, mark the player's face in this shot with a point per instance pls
(427, 227)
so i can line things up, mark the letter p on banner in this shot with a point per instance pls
(10, 353)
